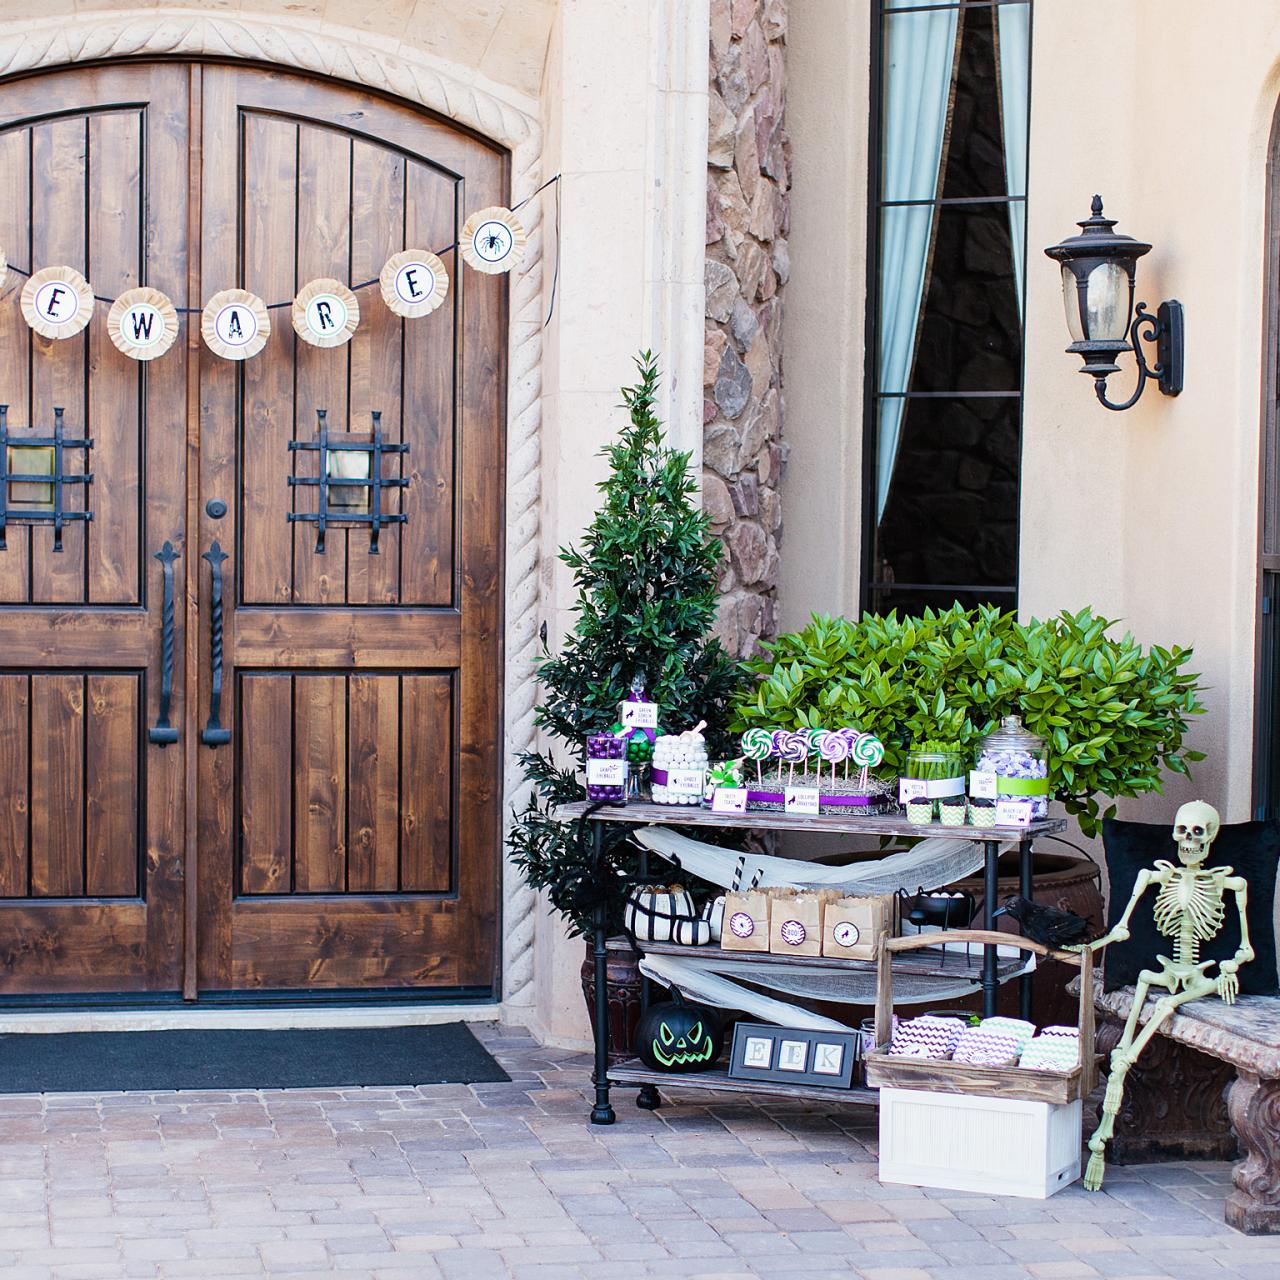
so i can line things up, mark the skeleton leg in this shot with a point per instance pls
(1126, 1053)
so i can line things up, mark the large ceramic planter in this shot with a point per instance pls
(623, 988)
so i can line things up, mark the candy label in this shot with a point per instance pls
(912, 789)
(792, 933)
(607, 773)
(741, 924)
(846, 933)
(688, 782)
(639, 715)
(800, 800)
(729, 800)
(982, 785)
(1014, 813)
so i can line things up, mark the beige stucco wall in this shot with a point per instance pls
(1150, 515)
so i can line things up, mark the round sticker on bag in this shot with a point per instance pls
(846, 934)
(742, 925)
(792, 933)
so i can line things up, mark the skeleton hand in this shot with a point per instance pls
(1228, 985)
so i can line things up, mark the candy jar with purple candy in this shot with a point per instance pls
(1013, 765)
(607, 768)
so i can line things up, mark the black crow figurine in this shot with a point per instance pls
(1048, 925)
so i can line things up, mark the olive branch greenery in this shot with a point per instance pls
(1113, 714)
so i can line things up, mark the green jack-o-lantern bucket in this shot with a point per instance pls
(678, 1037)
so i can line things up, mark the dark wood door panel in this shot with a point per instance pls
(92, 813)
(350, 831)
(346, 782)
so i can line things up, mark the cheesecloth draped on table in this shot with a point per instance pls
(717, 979)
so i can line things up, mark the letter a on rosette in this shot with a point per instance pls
(57, 302)
(235, 324)
(142, 323)
(414, 283)
(325, 313)
(493, 240)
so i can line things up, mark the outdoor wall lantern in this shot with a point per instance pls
(1098, 269)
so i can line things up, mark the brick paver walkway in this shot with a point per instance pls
(509, 1180)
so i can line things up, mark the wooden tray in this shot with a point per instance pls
(943, 1076)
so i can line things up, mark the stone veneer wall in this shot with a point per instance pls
(748, 220)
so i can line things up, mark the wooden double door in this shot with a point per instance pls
(323, 812)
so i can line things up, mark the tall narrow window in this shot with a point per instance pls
(944, 403)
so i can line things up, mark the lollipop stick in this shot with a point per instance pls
(862, 779)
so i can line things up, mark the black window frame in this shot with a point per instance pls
(867, 584)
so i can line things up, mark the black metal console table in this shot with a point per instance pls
(992, 839)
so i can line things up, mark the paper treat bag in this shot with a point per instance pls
(852, 927)
(795, 921)
(746, 921)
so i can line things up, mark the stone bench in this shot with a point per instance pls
(1213, 1068)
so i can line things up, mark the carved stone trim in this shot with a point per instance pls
(347, 54)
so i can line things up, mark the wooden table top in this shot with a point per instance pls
(665, 815)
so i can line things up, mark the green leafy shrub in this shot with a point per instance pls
(1113, 714)
(646, 573)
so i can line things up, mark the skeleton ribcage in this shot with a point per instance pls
(1191, 898)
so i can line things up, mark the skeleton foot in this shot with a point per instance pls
(1094, 1171)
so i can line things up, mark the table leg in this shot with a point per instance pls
(1024, 888)
(990, 962)
(1254, 1106)
(648, 1098)
(602, 1112)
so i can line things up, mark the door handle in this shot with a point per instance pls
(162, 732)
(213, 734)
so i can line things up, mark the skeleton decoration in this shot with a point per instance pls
(1189, 909)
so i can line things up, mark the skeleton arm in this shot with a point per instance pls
(1120, 931)
(1228, 983)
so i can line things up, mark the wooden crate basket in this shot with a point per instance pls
(944, 1076)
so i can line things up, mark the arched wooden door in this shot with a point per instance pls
(331, 819)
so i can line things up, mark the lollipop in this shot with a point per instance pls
(795, 750)
(757, 745)
(833, 746)
(850, 736)
(868, 751)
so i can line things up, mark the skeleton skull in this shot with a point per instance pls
(1195, 827)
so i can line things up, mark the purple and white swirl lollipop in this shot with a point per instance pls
(833, 746)
(795, 750)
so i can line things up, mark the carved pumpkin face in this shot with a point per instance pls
(678, 1037)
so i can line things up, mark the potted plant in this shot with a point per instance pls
(645, 572)
(1113, 714)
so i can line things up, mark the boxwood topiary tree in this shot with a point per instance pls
(1113, 713)
(645, 571)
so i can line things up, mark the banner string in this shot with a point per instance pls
(365, 284)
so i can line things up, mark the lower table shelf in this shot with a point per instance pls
(633, 1071)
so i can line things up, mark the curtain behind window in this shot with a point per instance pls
(920, 55)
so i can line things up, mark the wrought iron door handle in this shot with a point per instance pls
(162, 732)
(213, 734)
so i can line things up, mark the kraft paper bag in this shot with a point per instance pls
(746, 921)
(852, 927)
(795, 921)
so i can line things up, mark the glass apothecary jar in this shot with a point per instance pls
(934, 772)
(1013, 770)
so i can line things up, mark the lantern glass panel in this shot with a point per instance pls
(1071, 303)
(1107, 301)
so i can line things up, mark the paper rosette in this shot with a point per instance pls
(235, 324)
(493, 240)
(57, 302)
(413, 283)
(325, 313)
(142, 323)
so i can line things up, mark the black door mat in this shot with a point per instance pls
(155, 1061)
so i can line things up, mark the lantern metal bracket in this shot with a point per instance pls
(1164, 328)
(327, 511)
(50, 511)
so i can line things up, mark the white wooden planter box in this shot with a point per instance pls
(962, 1142)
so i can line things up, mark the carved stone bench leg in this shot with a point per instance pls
(1254, 1206)
(1174, 1106)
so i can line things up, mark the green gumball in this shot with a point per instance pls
(639, 748)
